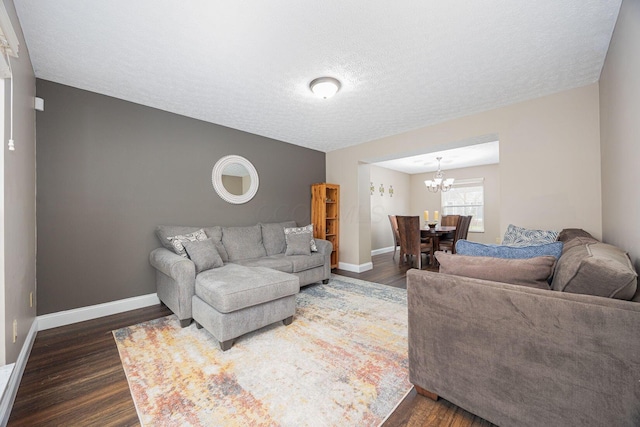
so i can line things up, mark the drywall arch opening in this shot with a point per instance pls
(395, 186)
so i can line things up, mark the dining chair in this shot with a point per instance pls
(410, 244)
(465, 227)
(462, 230)
(449, 220)
(447, 241)
(396, 238)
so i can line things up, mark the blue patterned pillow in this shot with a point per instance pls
(465, 247)
(518, 236)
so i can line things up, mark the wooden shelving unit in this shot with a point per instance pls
(325, 216)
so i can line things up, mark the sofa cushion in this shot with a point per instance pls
(298, 244)
(305, 229)
(273, 236)
(204, 254)
(234, 287)
(277, 262)
(596, 269)
(465, 247)
(243, 242)
(287, 264)
(532, 272)
(518, 236)
(306, 262)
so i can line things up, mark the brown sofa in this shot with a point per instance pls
(522, 356)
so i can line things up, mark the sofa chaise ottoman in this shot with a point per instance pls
(234, 300)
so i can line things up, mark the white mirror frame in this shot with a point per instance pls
(216, 179)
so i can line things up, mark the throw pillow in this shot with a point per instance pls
(273, 236)
(571, 233)
(596, 269)
(532, 272)
(575, 237)
(215, 234)
(298, 244)
(177, 241)
(465, 247)
(518, 236)
(163, 232)
(305, 229)
(204, 254)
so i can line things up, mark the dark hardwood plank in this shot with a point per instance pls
(74, 376)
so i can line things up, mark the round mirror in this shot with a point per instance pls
(235, 179)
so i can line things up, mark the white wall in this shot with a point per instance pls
(2, 245)
(549, 165)
(385, 205)
(620, 134)
(422, 199)
(19, 198)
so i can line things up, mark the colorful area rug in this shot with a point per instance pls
(343, 361)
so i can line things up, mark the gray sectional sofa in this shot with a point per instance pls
(253, 285)
(524, 356)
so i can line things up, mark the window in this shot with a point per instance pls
(466, 198)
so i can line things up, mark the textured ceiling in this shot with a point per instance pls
(247, 65)
(487, 153)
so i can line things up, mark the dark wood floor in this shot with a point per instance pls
(74, 376)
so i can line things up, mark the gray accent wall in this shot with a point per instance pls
(109, 171)
(620, 133)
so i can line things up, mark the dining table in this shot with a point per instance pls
(435, 233)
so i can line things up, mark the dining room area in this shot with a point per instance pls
(417, 241)
(412, 218)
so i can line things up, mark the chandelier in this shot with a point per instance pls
(438, 183)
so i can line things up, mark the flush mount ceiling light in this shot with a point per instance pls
(324, 87)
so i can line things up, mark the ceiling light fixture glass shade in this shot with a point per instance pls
(325, 87)
(438, 183)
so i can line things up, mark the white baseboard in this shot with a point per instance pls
(10, 392)
(382, 251)
(5, 374)
(355, 267)
(67, 317)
